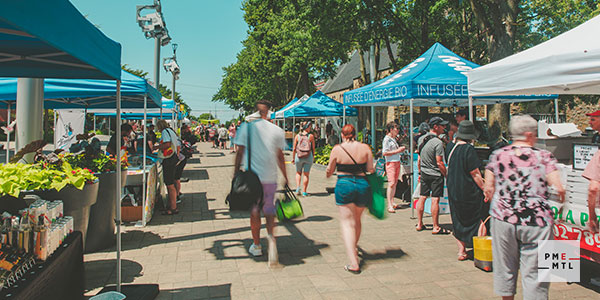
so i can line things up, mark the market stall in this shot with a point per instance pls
(436, 78)
(574, 69)
(31, 49)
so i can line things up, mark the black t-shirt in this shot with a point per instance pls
(112, 143)
(596, 138)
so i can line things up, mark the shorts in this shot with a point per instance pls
(433, 185)
(169, 166)
(303, 164)
(353, 189)
(179, 169)
(268, 207)
(223, 141)
(392, 170)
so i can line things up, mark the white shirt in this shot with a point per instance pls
(266, 140)
(390, 144)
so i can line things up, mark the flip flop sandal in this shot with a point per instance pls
(419, 229)
(391, 210)
(441, 231)
(167, 212)
(463, 257)
(355, 272)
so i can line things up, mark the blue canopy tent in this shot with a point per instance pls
(319, 105)
(51, 39)
(436, 78)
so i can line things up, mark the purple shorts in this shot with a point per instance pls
(269, 190)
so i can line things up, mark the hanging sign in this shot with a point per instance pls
(69, 123)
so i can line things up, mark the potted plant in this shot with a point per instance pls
(101, 229)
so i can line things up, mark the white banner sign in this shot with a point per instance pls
(69, 123)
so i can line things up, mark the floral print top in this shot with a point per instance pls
(521, 190)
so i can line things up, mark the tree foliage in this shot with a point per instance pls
(293, 43)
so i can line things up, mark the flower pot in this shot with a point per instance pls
(76, 202)
(101, 228)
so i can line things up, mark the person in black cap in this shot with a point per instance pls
(465, 188)
(461, 115)
(432, 170)
(150, 138)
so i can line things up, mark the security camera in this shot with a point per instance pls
(152, 24)
(171, 65)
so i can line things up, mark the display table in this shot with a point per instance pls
(61, 276)
(142, 213)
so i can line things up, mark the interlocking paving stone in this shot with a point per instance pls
(202, 252)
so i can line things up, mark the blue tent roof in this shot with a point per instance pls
(90, 93)
(436, 78)
(319, 105)
(140, 116)
(51, 39)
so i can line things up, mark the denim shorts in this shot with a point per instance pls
(303, 164)
(353, 189)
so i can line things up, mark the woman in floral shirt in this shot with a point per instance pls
(517, 179)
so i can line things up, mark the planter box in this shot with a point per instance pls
(101, 229)
(76, 202)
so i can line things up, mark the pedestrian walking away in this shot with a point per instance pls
(303, 156)
(352, 160)
(516, 180)
(433, 171)
(268, 142)
(465, 188)
(391, 151)
(222, 133)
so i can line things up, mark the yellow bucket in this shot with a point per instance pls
(482, 248)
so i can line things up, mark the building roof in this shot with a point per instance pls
(347, 72)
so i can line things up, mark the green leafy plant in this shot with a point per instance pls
(322, 155)
(15, 178)
(98, 163)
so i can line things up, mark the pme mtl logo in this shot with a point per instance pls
(558, 261)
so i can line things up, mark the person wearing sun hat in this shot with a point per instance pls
(592, 173)
(465, 187)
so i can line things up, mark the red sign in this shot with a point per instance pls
(587, 240)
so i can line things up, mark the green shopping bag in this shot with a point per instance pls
(377, 207)
(288, 207)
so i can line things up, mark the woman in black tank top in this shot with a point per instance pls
(352, 160)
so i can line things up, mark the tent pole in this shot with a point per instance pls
(556, 110)
(118, 185)
(94, 122)
(144, 188)
(471, 108)
(108, 125)
(412, 169)
(8, 135)
(55, 139)
(344, 115)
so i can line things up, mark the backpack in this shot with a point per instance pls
(304, 147)
(186, 149)
(246, 188)
(425, 140)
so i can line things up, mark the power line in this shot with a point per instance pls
(199, 86)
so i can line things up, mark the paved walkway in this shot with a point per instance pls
(202, 252)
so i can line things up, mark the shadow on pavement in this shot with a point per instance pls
(221, 291)
(219, 166)
(373, 256)
(212, 154)
(292, 249)
(96, 272)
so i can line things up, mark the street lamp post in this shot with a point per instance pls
(170, 65)
(154, 26)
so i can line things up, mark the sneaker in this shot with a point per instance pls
(273, 257)
(255, 250)
(178, 199)
(304, 194)
(298, 191)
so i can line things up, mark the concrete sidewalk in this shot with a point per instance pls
(201, 253)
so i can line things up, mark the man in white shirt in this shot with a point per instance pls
(267, 142)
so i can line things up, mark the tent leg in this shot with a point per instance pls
(94, 123)
(556, 110)
(344, 116)
(118, 185)
(8, 135)
(30, 106)
(412, 169)
(144, 188)
(471, 109)
(373, 132)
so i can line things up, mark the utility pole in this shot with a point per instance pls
(372, 74)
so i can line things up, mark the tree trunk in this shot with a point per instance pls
(363, 68)
(497, 21)
(377, 56)
(390, 53)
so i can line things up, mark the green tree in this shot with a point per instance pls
(205, 116)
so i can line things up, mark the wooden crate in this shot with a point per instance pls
(131, 213)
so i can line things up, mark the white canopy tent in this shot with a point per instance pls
(566, 64)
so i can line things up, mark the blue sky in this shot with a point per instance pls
(209, 34)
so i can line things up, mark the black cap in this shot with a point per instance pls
(437, 121)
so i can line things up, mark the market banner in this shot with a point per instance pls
(69, 123)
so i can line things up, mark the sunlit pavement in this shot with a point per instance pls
(201, 253)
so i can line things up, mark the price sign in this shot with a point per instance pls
(582, 155)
